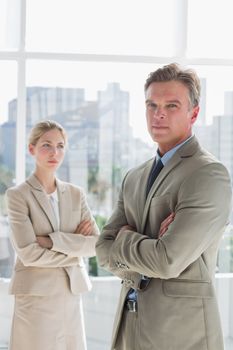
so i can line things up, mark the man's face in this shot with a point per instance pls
(169, 113)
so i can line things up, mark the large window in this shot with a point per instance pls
(84, 64)
(101, 27)
(209, 25)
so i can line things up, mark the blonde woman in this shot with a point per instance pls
(52, 230)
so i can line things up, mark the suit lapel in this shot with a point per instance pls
(161, 177)
(42, 199)
(185, 151)
(143, 178)
(65, 204)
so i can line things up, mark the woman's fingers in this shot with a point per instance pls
(85, 227)
(44, 242)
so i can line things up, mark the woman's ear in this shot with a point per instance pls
(31, 149)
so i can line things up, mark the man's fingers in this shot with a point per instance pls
(165, 224)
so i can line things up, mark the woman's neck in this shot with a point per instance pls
(47, 180)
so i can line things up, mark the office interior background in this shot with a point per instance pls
(83, 63)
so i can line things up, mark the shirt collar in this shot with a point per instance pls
(54, 195)
(168, 155)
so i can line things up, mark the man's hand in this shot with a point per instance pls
(85, 228)
(44, 241)
(165, 224)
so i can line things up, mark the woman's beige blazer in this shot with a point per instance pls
(30, 214)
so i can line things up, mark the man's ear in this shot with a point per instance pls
(31, 149)
(195, 114)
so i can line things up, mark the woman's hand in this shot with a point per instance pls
(44, 241)
(165, 224)
(85, 228)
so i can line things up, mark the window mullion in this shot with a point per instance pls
(21, 107)
(180, 29)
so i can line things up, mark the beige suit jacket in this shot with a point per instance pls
(30, 214)
(178, 310)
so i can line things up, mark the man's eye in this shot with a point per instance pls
(151, 106)
(60, 146)
(172, 105)
(46, 145)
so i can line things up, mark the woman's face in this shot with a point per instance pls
(49, 150)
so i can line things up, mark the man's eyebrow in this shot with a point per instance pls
(148, 100)
(168, 101)
(174, 101)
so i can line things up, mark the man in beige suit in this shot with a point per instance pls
(163, 236)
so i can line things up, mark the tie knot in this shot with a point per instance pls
(159, 165)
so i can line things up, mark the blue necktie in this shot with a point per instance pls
(156, 168)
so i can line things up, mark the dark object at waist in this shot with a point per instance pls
(131, 305)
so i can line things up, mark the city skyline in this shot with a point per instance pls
(101, 145)
(95, 76)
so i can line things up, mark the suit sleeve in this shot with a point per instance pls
(24, 239)
(201, 215)
(105, 244)
(77, 245)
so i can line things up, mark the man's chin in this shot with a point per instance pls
(158, 137)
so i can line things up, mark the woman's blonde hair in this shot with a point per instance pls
(42, 127)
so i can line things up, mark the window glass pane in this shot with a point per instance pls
(103, 26)
(9, 24)
(209, 27)
(214, 129)
(7, 158)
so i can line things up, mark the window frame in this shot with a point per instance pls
(21, 56)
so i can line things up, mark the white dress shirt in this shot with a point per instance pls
(53, 198)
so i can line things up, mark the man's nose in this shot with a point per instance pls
(160, 112)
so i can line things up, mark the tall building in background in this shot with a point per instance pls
(228, 103)
(223, 150)
(222, 133)
(8, 147)
(202, 114)
(201, 129)
(52, 103)
(115, 137)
